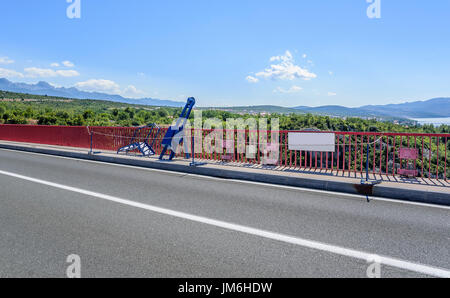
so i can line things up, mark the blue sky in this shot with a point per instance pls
(243, 52)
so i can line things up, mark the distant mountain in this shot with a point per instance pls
(257, 109)
(333, 111)
(44, 88)
(433, 108)
(339, 111)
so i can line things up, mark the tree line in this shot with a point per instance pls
(17, 108)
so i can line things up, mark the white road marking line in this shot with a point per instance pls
(406, 265)
(97, 162)
(309, 190)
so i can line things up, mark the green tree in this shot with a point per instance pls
(88, 114)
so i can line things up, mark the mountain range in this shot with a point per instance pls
(44, 88)
(433, 108)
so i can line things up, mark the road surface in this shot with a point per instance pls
(131, 222)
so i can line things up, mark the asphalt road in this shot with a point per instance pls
(208, 227)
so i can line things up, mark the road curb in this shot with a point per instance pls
(343, 187)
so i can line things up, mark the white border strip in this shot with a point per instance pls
(419, 268)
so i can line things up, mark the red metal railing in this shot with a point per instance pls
(384, 159)
(75, 136)
(350, 155)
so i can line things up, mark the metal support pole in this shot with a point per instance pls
(193, 146)
(91, 135)
(367, 168)
(90, 138)
(367, 162)
(194, 163)
(91, 145)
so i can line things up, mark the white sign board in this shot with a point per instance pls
(310, 141)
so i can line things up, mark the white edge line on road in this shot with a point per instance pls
(181, 174)
(410, 266)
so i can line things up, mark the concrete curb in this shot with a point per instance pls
(336, 186)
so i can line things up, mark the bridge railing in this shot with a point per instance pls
(384, 149)
(73, 136)
(350, 154)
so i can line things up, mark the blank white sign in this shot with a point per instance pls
(306, 141)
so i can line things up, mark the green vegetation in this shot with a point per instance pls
(18, 108)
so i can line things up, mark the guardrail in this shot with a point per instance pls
(384, 154)
(350, 156)
(73, 136)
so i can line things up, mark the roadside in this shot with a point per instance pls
(424, 192)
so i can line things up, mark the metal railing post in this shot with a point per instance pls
(90, 138)
(367, 162)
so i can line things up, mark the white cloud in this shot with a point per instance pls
(68, 64)
(330, 73)
(285, 69)
(252, 79)
(132, 92)
(105, 86)
(9, 73)
(287, 56)
(293, 89)
(67, 73)
(6, 60)
(35, 72)
(304, 56)
(64, 63)
(109, 87)
(332, 94)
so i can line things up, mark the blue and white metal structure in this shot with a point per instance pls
(141, 142)
(176, 133)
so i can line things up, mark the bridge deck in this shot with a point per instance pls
(135, 222)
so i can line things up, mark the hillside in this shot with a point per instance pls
(433, 108)
(19, 108)
(44, 88)
(340, 111)
(257, 109)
